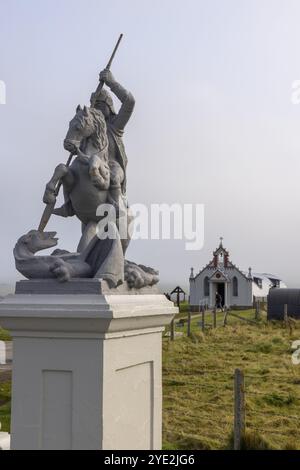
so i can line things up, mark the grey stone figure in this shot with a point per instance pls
(96, 176)
(63, 265)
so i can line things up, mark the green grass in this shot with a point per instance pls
(251, 441)
(5, 391)
(198, 385)
(5, 417)
(197, 318)
(5, 397)
(184, 307)
(4, 335)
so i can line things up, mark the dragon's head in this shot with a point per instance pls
(37, 241)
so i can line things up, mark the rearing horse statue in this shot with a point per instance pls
(86, 185)
(86, 181)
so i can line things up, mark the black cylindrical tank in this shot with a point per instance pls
(277, 298)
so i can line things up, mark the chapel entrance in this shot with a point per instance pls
(221, 291)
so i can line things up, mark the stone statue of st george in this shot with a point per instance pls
(94, 187)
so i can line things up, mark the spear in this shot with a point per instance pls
(101, 83)
(48, 211)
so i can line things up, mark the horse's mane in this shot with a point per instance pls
(100, 138)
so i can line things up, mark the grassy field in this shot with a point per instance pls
(4, 335)
(198, 385)
(5, 396)
(5, 390)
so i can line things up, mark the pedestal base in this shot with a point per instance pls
(86, 370)
(4, 441)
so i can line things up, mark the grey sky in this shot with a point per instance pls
(213, 123)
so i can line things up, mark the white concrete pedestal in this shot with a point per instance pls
(86, 370)
(4, 441)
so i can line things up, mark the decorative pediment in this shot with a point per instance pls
(221, 263)
(219, 276)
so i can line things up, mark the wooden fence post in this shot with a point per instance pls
(285, 314)
(239, 408)
(257, 310)
(225, 316)
(172, 330)
(215, 318)
(203, 320)
(189, 323)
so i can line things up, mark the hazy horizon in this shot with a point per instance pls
(213, 122)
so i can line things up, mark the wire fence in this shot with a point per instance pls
(261, 405)
(244, 414)
(207, 318)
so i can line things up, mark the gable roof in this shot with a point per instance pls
(211, 265)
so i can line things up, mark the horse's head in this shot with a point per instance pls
(87, 123)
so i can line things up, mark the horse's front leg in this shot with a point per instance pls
(68, 182)
(65, 175)
(59, 174)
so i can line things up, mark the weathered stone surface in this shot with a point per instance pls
(4, 441)
(86, 370)
(78, 286)
(96, 177)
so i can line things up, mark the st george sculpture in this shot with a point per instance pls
(94, 185)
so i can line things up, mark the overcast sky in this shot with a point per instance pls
(213, 122)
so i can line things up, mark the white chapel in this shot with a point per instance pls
(236, 288)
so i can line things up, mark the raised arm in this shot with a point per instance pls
(123, 95)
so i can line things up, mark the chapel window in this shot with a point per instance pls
(206, 287)
(235, 287)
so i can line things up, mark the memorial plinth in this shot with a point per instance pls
(86, 368)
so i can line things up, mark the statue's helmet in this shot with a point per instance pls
(103, 97)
